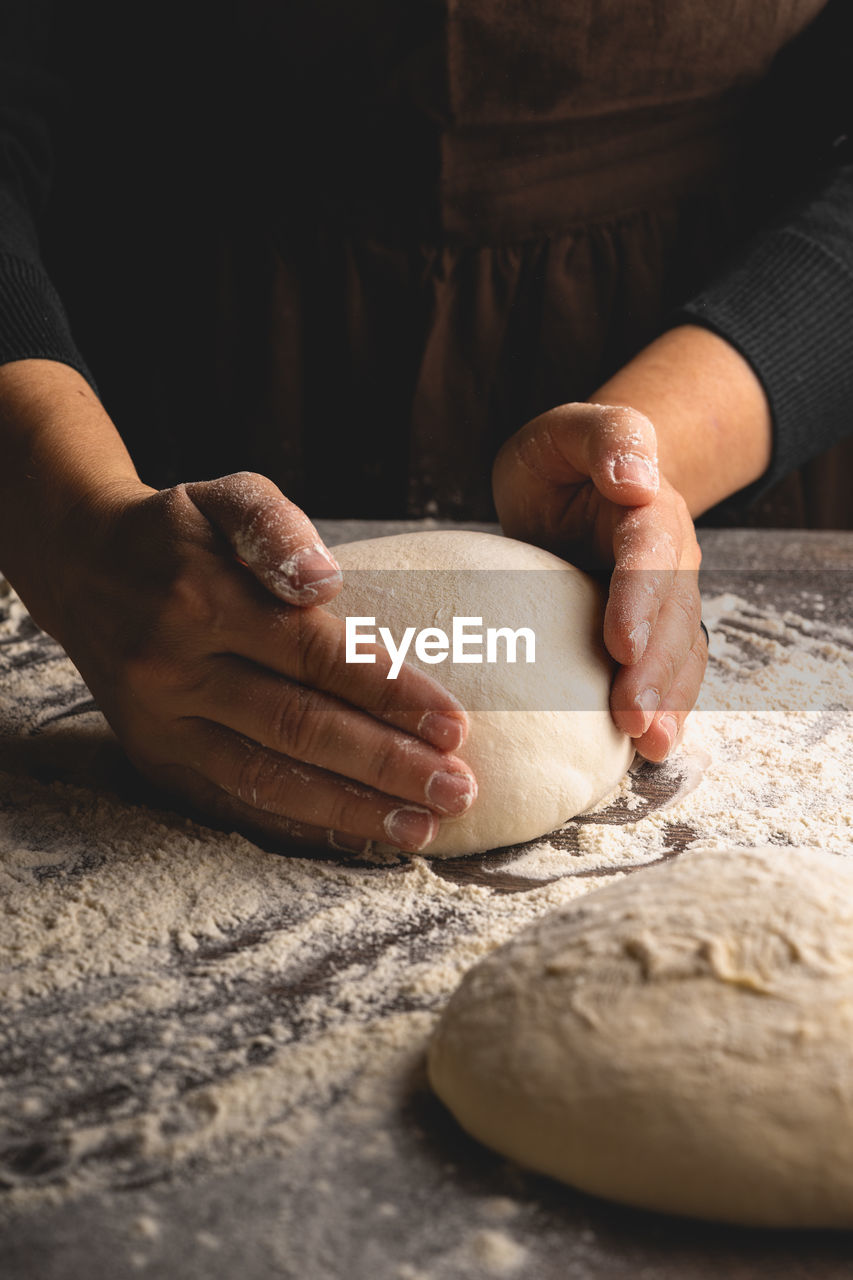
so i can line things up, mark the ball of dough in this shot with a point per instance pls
(541, 741)
(680, 1040)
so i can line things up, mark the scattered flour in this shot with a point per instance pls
(176, 999)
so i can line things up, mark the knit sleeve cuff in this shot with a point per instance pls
(787, 308)
(33, 323)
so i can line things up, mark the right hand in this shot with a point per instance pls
(562, 483)
(191, 615)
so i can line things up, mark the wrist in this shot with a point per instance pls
(64, 470)
(708, 408)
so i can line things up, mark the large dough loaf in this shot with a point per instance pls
(681, 1040)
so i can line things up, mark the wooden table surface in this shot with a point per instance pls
(436, 1206)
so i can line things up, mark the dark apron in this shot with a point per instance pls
(478, 210)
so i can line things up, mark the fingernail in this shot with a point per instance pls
(634, 468)
(638, 639)
(452, 792)
(446, 732)
(348, 844)
(311, 566)
(648, 701)
(669, 725)
(410, 828)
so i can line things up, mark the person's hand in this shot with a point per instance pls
(582, 481)
(191, 615)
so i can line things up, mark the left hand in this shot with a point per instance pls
(582, 481)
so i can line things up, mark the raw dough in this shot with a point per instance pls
(680, 1040)
(541, 740)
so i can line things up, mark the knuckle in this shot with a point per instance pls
(178, 511)
(535, 448)
(386, 763)
(297, 723)
(665, 550)
(685, 686)
(642, 542)
(266, 512)
(189, 603)
(686, 605)
(318, 651)
(631, 524)
(699, 654)
(175, 501)
(249, 777)
(241, 487)
(671, 664)
(252, 479)
(387, 698)
(629, 424)
(348, 812)
(680, 699)
(252, 782)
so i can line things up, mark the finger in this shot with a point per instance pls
(203, 801)
(308, 725)
(622, 451)
(274, 784)
(648, 545)
(276, 540)
(309, 646)
(639, 691)
(533, 469)
(667, 726)
(613, 446)
(234, 616)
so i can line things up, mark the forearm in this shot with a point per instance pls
(708, 408)
(59, 453)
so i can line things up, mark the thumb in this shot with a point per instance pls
(272, 537)
(622, 449)
(611, 446)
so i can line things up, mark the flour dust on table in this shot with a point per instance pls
(190, 1020)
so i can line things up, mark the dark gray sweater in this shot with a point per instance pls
(785, 302)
